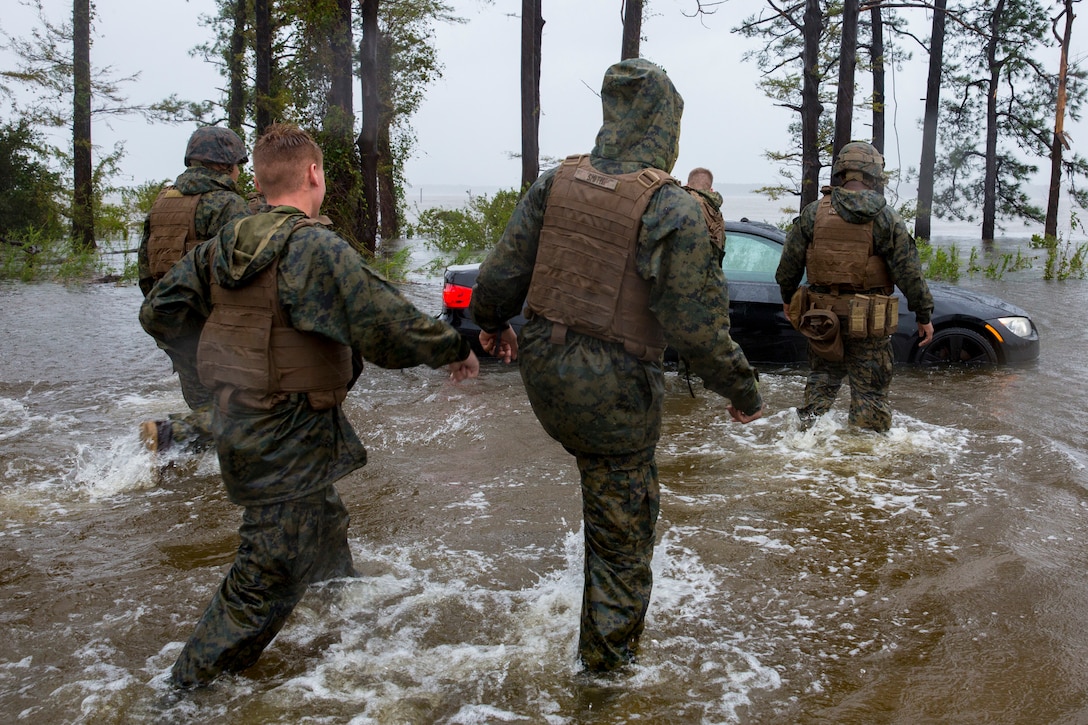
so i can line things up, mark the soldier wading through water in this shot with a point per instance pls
(855, 249)
(615, 260)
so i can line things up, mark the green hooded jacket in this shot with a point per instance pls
(325, 287)
(589, 394)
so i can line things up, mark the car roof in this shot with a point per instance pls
(762, 229)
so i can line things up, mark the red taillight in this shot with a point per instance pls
(456, 297)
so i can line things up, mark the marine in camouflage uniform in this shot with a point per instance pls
(212, 157)
(700, 185)
(867, 362)
(601, 402)
(281, 463)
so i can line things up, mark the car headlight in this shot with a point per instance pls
(1019, 326)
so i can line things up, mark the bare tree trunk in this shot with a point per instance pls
(532, 26)
(387, 182)
(367, 142)
(340, 98)
(83, 189)
(878, 78)
(338, 126)
(236, 70)
(632, 29)
(811, 108)
(923, 220)
(1050, 228)
(262, 52)
(848, 58)
(989, 182)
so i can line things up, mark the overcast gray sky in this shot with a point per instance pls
(470, 123)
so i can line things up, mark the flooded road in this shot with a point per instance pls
(935, 574)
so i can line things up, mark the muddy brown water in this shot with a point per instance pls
(934, 574)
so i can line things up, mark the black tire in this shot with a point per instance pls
(956, 346)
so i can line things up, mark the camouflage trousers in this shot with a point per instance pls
(620, 503)
(867, 363)
(284, 548)
(193, 430)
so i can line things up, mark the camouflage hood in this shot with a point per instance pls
(200, 180)
(857, 207)
(252, 243)
(642, 112)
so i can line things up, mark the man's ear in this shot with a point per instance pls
(312, 175)
(257, 185)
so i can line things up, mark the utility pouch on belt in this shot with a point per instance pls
(878, 310)
(858, 319)
(798, 306)
(891, 315)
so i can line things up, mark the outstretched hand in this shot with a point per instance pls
(740, 417)
(463, 369)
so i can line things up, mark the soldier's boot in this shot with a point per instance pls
(156, 435)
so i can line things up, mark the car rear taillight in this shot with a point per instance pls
(456, 297)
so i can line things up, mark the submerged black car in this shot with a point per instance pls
(969, 327)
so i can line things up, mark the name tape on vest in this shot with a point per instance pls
(592, 177)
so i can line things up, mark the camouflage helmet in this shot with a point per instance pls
(861, 157)
(215, 145)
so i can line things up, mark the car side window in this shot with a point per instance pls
(750, 258)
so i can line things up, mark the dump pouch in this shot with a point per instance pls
(799, 305)
(824, 334)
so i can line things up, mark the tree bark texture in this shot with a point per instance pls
(848, 58)
(923, 220)
(367, 141)
(236, 70)
(1050, 227)
(811, 108)
(878, 78)
(532, 26)
(989, 182)
(82, 177)
(262, 53)
(632, 29)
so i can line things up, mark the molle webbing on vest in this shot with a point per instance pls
(249, 345)
(841, 254)
(585, 277)
(714, 222)
(173, 230)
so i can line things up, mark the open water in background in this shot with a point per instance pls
(937, 574)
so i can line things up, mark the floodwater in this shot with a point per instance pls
(936, 574)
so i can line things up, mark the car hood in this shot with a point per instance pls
(983, 305)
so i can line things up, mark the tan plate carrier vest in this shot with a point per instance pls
(173, 230)
(715, 224)
(585, 277)
(841, 258)
(251, 354)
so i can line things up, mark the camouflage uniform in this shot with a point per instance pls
(867, 363)
(281, 464)
(603, 404)
(711, 203)
(219, 204)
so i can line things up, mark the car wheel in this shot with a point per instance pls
(956, 346)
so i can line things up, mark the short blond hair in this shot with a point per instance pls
(281, 157)
(700, 178)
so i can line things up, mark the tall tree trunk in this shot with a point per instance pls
(338, 124)
(811, 108)
(532, 26)
(262, 52)
(236, 70)
(367, 142)
(989, 182)
(632, 29)
(848, 58)
(1059, 142)
(83, 190)
(387, 176)
(878, 78)
(922, 224)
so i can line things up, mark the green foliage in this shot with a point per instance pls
(42, 256)
(392, 266)
(1063, 259)
(30, 192)
(467, 233)
(939, 263)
